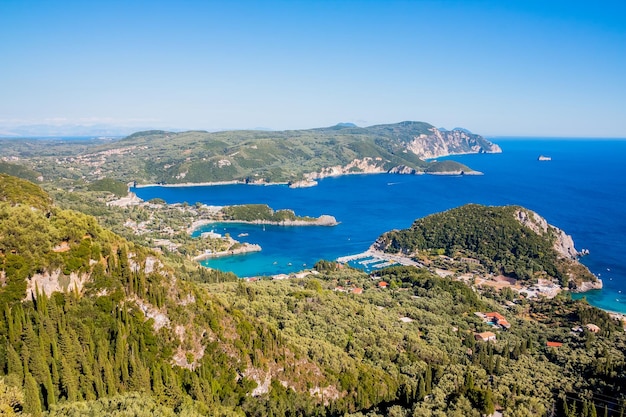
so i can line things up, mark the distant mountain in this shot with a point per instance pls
(47, 130)
(269, 156)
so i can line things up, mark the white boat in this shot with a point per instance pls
(544, 158)
(242, 235)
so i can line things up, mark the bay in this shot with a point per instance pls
(581, 190)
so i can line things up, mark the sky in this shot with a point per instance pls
(502, 67)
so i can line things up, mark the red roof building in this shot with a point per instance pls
(554, 344)
(495, 316)
(382, 284)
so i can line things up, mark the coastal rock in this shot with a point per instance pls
(588, 286)
(402, 169)
(563, 243)
(303, 184)
(451, 142)
(365, 165)
(323, 220)
(581, 279)
(244, 248)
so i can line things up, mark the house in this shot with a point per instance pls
(592, 328)
(554, 344)
(357, 290)
(495, 318)
(382, 284)
(503, 323)
(485, 336)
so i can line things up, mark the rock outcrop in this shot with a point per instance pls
(564, 247)
(365, 165)
(452, 142)
(49, 282)
(563, 243)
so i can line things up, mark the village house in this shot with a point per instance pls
(485, 336)
(592, 328)
(495, 319)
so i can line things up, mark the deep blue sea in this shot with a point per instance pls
(582, 190)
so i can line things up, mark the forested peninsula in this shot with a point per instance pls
(94, 323)
(254, 157)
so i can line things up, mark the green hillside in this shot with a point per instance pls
(251, 156)
(128, 332)
(492, 235)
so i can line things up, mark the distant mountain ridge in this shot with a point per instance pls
(254, 156)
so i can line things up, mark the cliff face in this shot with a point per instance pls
(563, 243)
(454, 142)
(581, 279)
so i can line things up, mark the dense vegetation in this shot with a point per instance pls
(437, 167)
(260, 212)
(117, 188)
(144, 335)
(18, 170)
(16, 191)
(251, 156)
(491, 235)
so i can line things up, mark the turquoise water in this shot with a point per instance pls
(581, 190)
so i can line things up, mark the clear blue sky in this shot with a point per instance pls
(502, 67)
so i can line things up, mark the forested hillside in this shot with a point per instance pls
(93, 324)
(499, 237)
(251, 156)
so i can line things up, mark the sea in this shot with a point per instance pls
(581, 189)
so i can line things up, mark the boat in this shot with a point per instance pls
(544, 158)
(242, 235)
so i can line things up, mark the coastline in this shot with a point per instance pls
(403, 260)
(245, 248)
(324, 221)
(309, 181)
(208, 184)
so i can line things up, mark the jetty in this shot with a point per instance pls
(378, 259)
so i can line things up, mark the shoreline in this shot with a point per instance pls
(323, 221)
(310, 179)
(244, 249)
(208, 184)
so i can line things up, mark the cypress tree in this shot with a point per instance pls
(421, 389)
(14, 364)
(69, 380)
(32, 401)
(429, 380)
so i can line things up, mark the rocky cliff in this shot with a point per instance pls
(563, 243)
(580, 278)
(452, 142)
